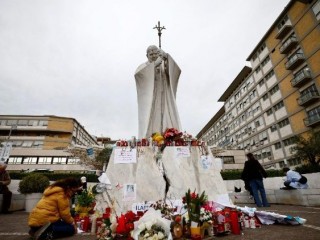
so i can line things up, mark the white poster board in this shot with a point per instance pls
(125, 155)
(182, 151)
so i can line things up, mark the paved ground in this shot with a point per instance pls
(14, 226)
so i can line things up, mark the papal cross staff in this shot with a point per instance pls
(159, 28)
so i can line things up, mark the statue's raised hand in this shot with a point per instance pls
(158, 61)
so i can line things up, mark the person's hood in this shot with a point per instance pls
(52, 190)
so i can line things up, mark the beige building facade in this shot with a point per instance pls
(42, 142)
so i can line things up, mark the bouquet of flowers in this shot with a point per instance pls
(172, 134)
(153, 232)
(193, 202)
(152, 226)
(104, 232)
(166, 210)
(205, 215)
(125, 223)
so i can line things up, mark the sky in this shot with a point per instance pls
(77, 58)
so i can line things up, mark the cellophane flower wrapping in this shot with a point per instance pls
(152, 218)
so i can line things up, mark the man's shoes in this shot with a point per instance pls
(41, 231)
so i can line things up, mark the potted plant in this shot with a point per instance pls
(84, 202)
(33, 186)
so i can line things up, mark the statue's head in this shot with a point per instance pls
(152, 53)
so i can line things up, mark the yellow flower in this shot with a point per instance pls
(157, 137)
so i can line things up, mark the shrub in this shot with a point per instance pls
(33, 183)
(308, 168)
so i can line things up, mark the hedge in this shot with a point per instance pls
(236, 174)
(56, 176)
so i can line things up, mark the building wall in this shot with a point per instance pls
(264, 116)
(42, 141)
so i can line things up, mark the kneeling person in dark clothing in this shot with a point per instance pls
(5, 180)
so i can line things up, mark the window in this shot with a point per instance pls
(269, 75)
(314, 112)
(269, 112)
(273, 128)
(16, 143)
(227, 159)
(289, 141)
(59, 160)
(281, 164)
(311, 89)
(45, 160)
(258, 69)
(33, 122)
(262, 47)
(278, 106)
(274, 90)
(37, 144)
(316, 9)
(30, 160)
(257, 123)
(282, 22)
(294, 161)
(265, 61)
(277, 145)
(22, 122)
(43, 123)
(12, 122)
(27, 144)
(261, 82)
(15, 160)
(254, 57)
(265, 97)
(283, 123)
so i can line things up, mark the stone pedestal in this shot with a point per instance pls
(154, 172)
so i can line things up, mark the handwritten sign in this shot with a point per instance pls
(182, 151)
(206, 162)
(125, 155)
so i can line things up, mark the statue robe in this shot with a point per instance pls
(157, 108)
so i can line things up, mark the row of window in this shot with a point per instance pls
(27, 144)
(43, 160)
(23, 122)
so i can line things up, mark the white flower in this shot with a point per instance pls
(142, 226)
(148, 225)
(146, 235)
(160, 235)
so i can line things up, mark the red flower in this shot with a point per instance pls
(194, 195)
(130, 216)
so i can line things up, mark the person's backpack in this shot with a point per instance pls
(303, 180)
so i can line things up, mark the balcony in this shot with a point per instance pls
(294, 61)
(301, 78)
(312, 120)
(284, 31)
(288, 45)
(308, 98)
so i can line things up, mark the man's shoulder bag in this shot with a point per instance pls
(303, 180)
